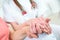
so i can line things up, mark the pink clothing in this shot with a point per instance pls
(4, 31)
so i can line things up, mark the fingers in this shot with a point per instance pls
(31, 24)
(44, 19)
(32, 27)
(45, 25)
(38, 28)
(44, 28)
(47, 29)
(50, 30)
(38, 25)
(31, 35)
(34, 35)
(30, 32)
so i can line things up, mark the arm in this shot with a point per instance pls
(21, 32)
(15, 25)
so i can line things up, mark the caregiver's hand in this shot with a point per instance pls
(44, 24)
(21, 33)
(39, 25)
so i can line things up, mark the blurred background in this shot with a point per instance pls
(55, 18)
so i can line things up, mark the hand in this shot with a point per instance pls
(21, 33)
(31, 32)
(45, 25)
(39, 25)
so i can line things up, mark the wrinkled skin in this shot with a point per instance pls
(38, 26)
(32, 28)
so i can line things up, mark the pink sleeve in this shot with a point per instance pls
(4, 31)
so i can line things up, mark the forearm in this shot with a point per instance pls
(19, 34)
(14, 25)
(17, 26)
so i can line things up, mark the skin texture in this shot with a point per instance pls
(21, 34)
(31, 28)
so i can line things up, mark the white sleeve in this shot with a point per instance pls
(54, 5)
(8, 13)
(43, 9)
(48, 7)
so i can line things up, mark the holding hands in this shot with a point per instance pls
(32, 28)
(38, 26)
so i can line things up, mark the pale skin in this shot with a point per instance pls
(21, 34)
(26, 30)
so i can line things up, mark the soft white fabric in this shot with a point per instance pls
(43, 37)
(47, 7)
(13, 14)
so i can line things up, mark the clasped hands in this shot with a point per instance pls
(32, 28)
(37, 26)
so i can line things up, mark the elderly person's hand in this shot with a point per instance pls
(21, 33)
(39, 25)
(44, 24)
(32, 28)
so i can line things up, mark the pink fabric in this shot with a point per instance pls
(4, 31)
